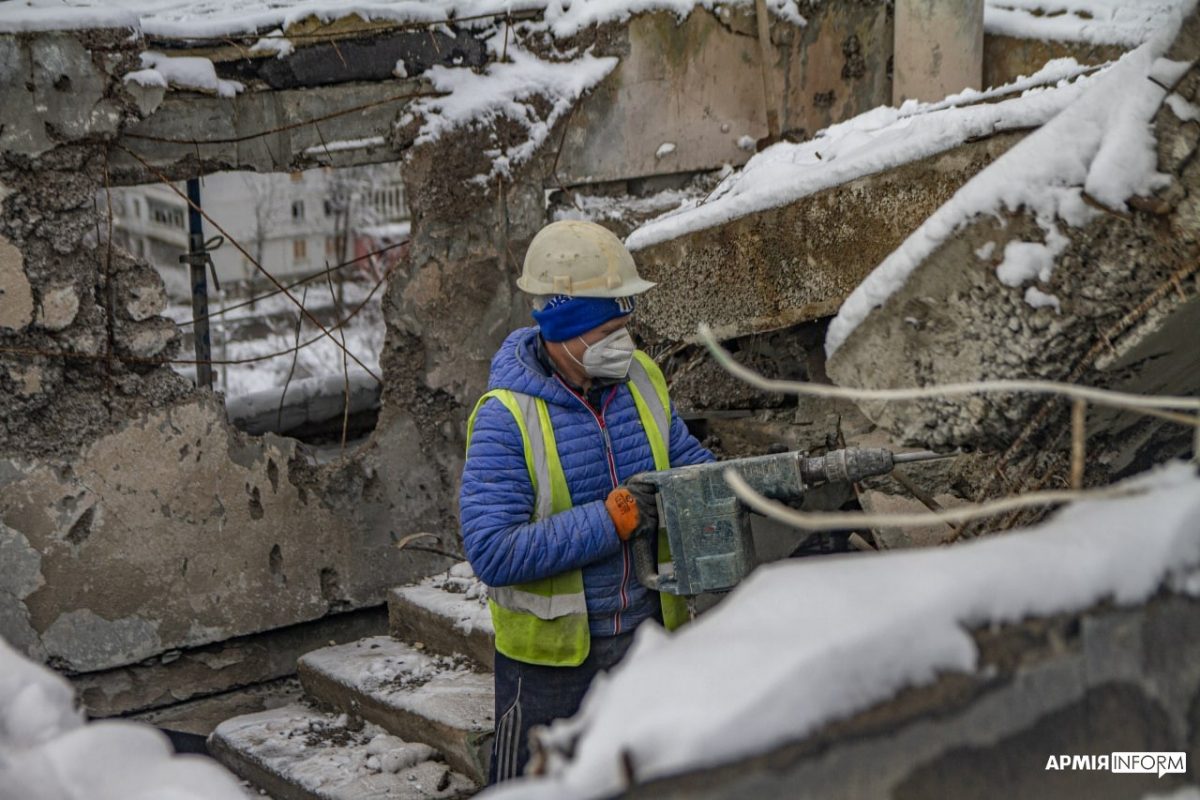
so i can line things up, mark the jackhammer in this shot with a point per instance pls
(708, 528)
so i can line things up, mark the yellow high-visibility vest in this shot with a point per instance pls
(545, 621)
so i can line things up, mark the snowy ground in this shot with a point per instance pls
(364, 338)
(659, 705)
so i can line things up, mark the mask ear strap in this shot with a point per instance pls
(572, 357)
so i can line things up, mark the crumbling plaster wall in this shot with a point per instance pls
(136, 520)
(139, 521)
(1128, 289)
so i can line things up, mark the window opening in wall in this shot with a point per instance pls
(250, 320)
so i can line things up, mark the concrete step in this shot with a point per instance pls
(416, 695)
(296, 753)
(447, 613)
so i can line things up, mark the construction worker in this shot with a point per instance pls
(572, 411)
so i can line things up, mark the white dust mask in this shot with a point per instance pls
(609, 357)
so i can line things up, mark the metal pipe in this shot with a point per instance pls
(197, 262)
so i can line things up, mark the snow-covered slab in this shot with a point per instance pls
(447, 613)
(295, 753)
(417, 696)
(1100, 148)
(880, 139)
(795, 648)
(1121, 22)
(210, 18)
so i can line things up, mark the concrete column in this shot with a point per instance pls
(939, 48)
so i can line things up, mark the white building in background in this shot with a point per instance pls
(289, 223)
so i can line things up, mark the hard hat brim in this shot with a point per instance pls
(627, 289)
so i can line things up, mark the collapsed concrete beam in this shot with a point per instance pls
(1105, 305)
(265, 131)
(797, 262)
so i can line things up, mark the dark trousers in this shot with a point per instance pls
(528, 695)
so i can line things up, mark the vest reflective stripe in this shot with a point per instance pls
(545, 621)
(541, 606)
(646, 381)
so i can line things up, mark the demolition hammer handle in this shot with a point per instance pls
(645, 564)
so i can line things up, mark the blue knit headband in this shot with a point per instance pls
(565, 317)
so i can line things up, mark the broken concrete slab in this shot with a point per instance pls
(295, 753)
(177, 676)
(447, 615)
(137, 528)
(437, 700)
(1121, 274)
(1107, 680)
(201, 717)
(190, 133)
(798, 262)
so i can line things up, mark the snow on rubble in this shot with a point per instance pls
(456, 594)
(185, 72)
(877, 140)
(1118, 22)
(659, 707)
(47, 752)
(506, 88)
(1102, 144)
(211, 18)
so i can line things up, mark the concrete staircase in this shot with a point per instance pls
(402, 717)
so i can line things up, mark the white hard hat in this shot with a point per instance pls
(580, 259)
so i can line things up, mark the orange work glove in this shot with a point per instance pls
(633, 511)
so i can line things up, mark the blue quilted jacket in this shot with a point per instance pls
(497, 498)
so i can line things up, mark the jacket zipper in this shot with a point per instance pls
(612, 474)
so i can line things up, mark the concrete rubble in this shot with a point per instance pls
(1129, 290)
(157, 554)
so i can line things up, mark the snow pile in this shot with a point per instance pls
(1119, 22)
(505, 89)
(1103, 144)
(48, 753)
(197, 74)
(214, 18)
(785, 665)
(880, 139)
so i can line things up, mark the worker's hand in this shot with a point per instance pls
(633, 510)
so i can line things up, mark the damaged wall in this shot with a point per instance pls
(139, 520)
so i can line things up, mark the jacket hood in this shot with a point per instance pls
(516, 367)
